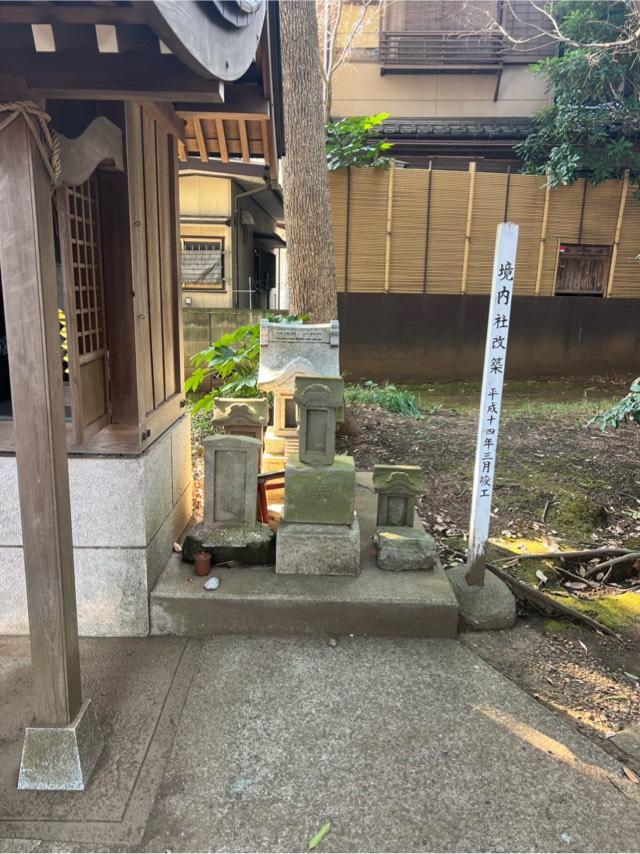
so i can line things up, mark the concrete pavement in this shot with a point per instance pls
(251, 744)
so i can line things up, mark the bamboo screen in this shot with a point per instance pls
(422, 231)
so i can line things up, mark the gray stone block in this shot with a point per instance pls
(230, 481)
(401, 549)
(14, 619)
(251, 547)
(61, 758)
(10, 528)
(158, 485)
(160, 548)
(320, 494)
(303, 549)
(181, 457)
(491, 606)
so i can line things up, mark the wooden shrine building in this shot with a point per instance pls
(93, 100)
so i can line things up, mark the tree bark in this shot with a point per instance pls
(310, 258)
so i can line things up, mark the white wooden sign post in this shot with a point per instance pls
(495, 357)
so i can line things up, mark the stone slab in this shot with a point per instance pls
(231, 465)
(491, 606)
(61, 758)
(247, 546)
(310, 549)
(404, 745)
(405, 549)
(257, 600)
(320, 494)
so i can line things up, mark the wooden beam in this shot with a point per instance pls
(107, 38)
(222, 140)
(266, 145)
(27, 258)
(202, 145)
(90, 75)
(216, 167)
(43, 38)
(182, 151)
(467, 229)
(73, 13)
(166, 117)
(244, 141)
(387, 250)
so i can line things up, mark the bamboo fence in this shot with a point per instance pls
(433, 231)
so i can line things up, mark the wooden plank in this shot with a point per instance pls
(27, 258)
(266, 145)
(182, 151)
(139, 273)
(167, 245)
(43, 38)
(244, 140)
(202, 145)
(74, 13)
(149, 153)
(222, 140)
(166, 117)
(174, 208)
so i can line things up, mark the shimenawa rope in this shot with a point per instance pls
(45, 137)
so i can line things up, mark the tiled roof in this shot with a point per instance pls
(458, 128)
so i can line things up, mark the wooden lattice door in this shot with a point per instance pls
(82, 271)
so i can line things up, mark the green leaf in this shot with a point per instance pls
(320, 835)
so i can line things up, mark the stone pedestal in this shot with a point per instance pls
(313, 549)
(489, 606)
(400, 546)
(324, 495)
(61, 758)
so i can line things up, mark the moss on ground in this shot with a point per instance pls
(615, 612)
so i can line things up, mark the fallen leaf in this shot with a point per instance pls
(583, 645)
(177, 548)
(541, 576)
(320, 835)
(632, 676)
(617, 697)
(631, 775)
(576, 585)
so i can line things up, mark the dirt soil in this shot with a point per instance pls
(559, 484)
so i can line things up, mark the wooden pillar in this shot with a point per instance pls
(467, 228)
(27, 261)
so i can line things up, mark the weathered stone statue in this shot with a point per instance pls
(319, 533)
(242, 417)
(400, 543)
(229, 529)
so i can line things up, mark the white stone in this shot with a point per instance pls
(290, 350)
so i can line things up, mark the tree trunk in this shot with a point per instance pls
(310, 259)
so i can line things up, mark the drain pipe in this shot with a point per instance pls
(236, 238)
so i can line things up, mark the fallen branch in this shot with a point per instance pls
(541, 600)
(574, 577)
(545, 603)
(609, 564)
(584, 554)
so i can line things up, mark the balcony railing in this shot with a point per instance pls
(434, 51)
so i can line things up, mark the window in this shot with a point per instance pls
(203, 263)
(583, 269)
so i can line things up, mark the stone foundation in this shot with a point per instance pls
(127, 512)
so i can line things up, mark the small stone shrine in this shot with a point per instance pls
(400, 543)
(319, 533)
(242, 417)
(229, 529)
(287, 351)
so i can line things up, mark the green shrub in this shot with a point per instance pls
(387, 396)
(231, 362)
(627, 409)
(356, 142)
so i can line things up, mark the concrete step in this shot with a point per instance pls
(257, 601)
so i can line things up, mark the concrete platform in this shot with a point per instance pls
(251, 744)
(254, 600)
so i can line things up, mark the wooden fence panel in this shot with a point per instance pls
(490, 195)
(409, 230)
(367, 229)
(601, 212)
(338, 186)
(526, 208)
(449, 195)
(565, 208)
(626, 280)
